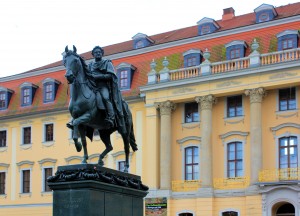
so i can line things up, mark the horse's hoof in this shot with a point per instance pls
(78, 146)
(125, 170)
(84, 161)
(101, 163)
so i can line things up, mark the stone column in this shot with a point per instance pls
(256, 95)
(166, 109)
(206, 103)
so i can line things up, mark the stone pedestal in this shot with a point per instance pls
(87, 189)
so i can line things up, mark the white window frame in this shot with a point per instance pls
(44, 132)
(22, 135)
(183, 160)
(21, 180)
(6, 144)
(225, 155)
(226, 107)
(6, 178)
(43, 178)
(277, 100)
(117, 164)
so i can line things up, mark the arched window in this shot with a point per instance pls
(185, 214)
(191, 163)
(286, 210)
(230, 213)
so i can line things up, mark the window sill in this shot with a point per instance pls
(234, 120)
(3, 196)
(48, 143)
(26, 146)
(190, 125)
(46, 193)
(286, 113)
(3, 149)
(24, 194)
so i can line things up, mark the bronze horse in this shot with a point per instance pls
(86, 116)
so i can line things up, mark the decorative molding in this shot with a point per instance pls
(4, 165)
(47, 160)
(190, 125)
(187, 139)
(286, 115)
(192, 51)
(282, 75)
(68, 159)
(48, 119)
(234, 120)
(25, 162)
(183, 90)
(48, 143)
(91, 157)
(284, 125)
(165, 107)
(236, 42)
(206, 101)
(26, 122)
(233, 133)
(119, 153)
(228, 83)
(4, 126)
(256, 94)
(3, 149)
(51, 80)
(25, 146)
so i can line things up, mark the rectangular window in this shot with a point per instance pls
(234, 106)
(48, 92)
(205, 29)
(2, 182)
(26, 135)
(235, 53)
(287, 44)
(48, 132)
(191, 163)
(26, 96)
(2, 100)
(288, 157)
(191, 112)
(25, 181)
(47, 173)
(234, 160)
(121, 165)
(3, 138)
(287, 99)
(124, 79)
(191, 61)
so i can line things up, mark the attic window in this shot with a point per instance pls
(264, 13)
(50, 87)
(125, 74)
(27, 93)
(235, 49)
(287, 39)
(192, 57)
(141, 40)
(5, 95)
(207, 25)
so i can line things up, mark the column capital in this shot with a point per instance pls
(256, 94)
(206, 101)
(165, 107)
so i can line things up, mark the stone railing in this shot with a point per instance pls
(185, 185)
(255, 59)
(231, 65)
(231, 183)
(276, 175)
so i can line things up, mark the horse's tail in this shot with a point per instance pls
(132, 139)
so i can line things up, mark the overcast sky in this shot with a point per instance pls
(33, 33)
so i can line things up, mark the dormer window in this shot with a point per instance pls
(192, 57)
(5, 96)
(235, 49)
(287, 39)
(265, 12)
(125, 74)
(27, 93)
(207, 25)
(50, 87)
(141, 40)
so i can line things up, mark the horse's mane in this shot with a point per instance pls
(84, 65)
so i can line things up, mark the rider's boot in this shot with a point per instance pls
(110, 117)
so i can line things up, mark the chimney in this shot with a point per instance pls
(228, 13)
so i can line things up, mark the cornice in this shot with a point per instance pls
(219, 76)
(152, 48)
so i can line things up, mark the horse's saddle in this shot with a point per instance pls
(99, 101)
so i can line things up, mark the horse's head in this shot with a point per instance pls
(72, 63)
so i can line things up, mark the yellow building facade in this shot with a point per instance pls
(216, 119)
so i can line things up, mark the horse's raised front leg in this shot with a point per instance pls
(82, 133)
(105, 137)
(75, 139)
